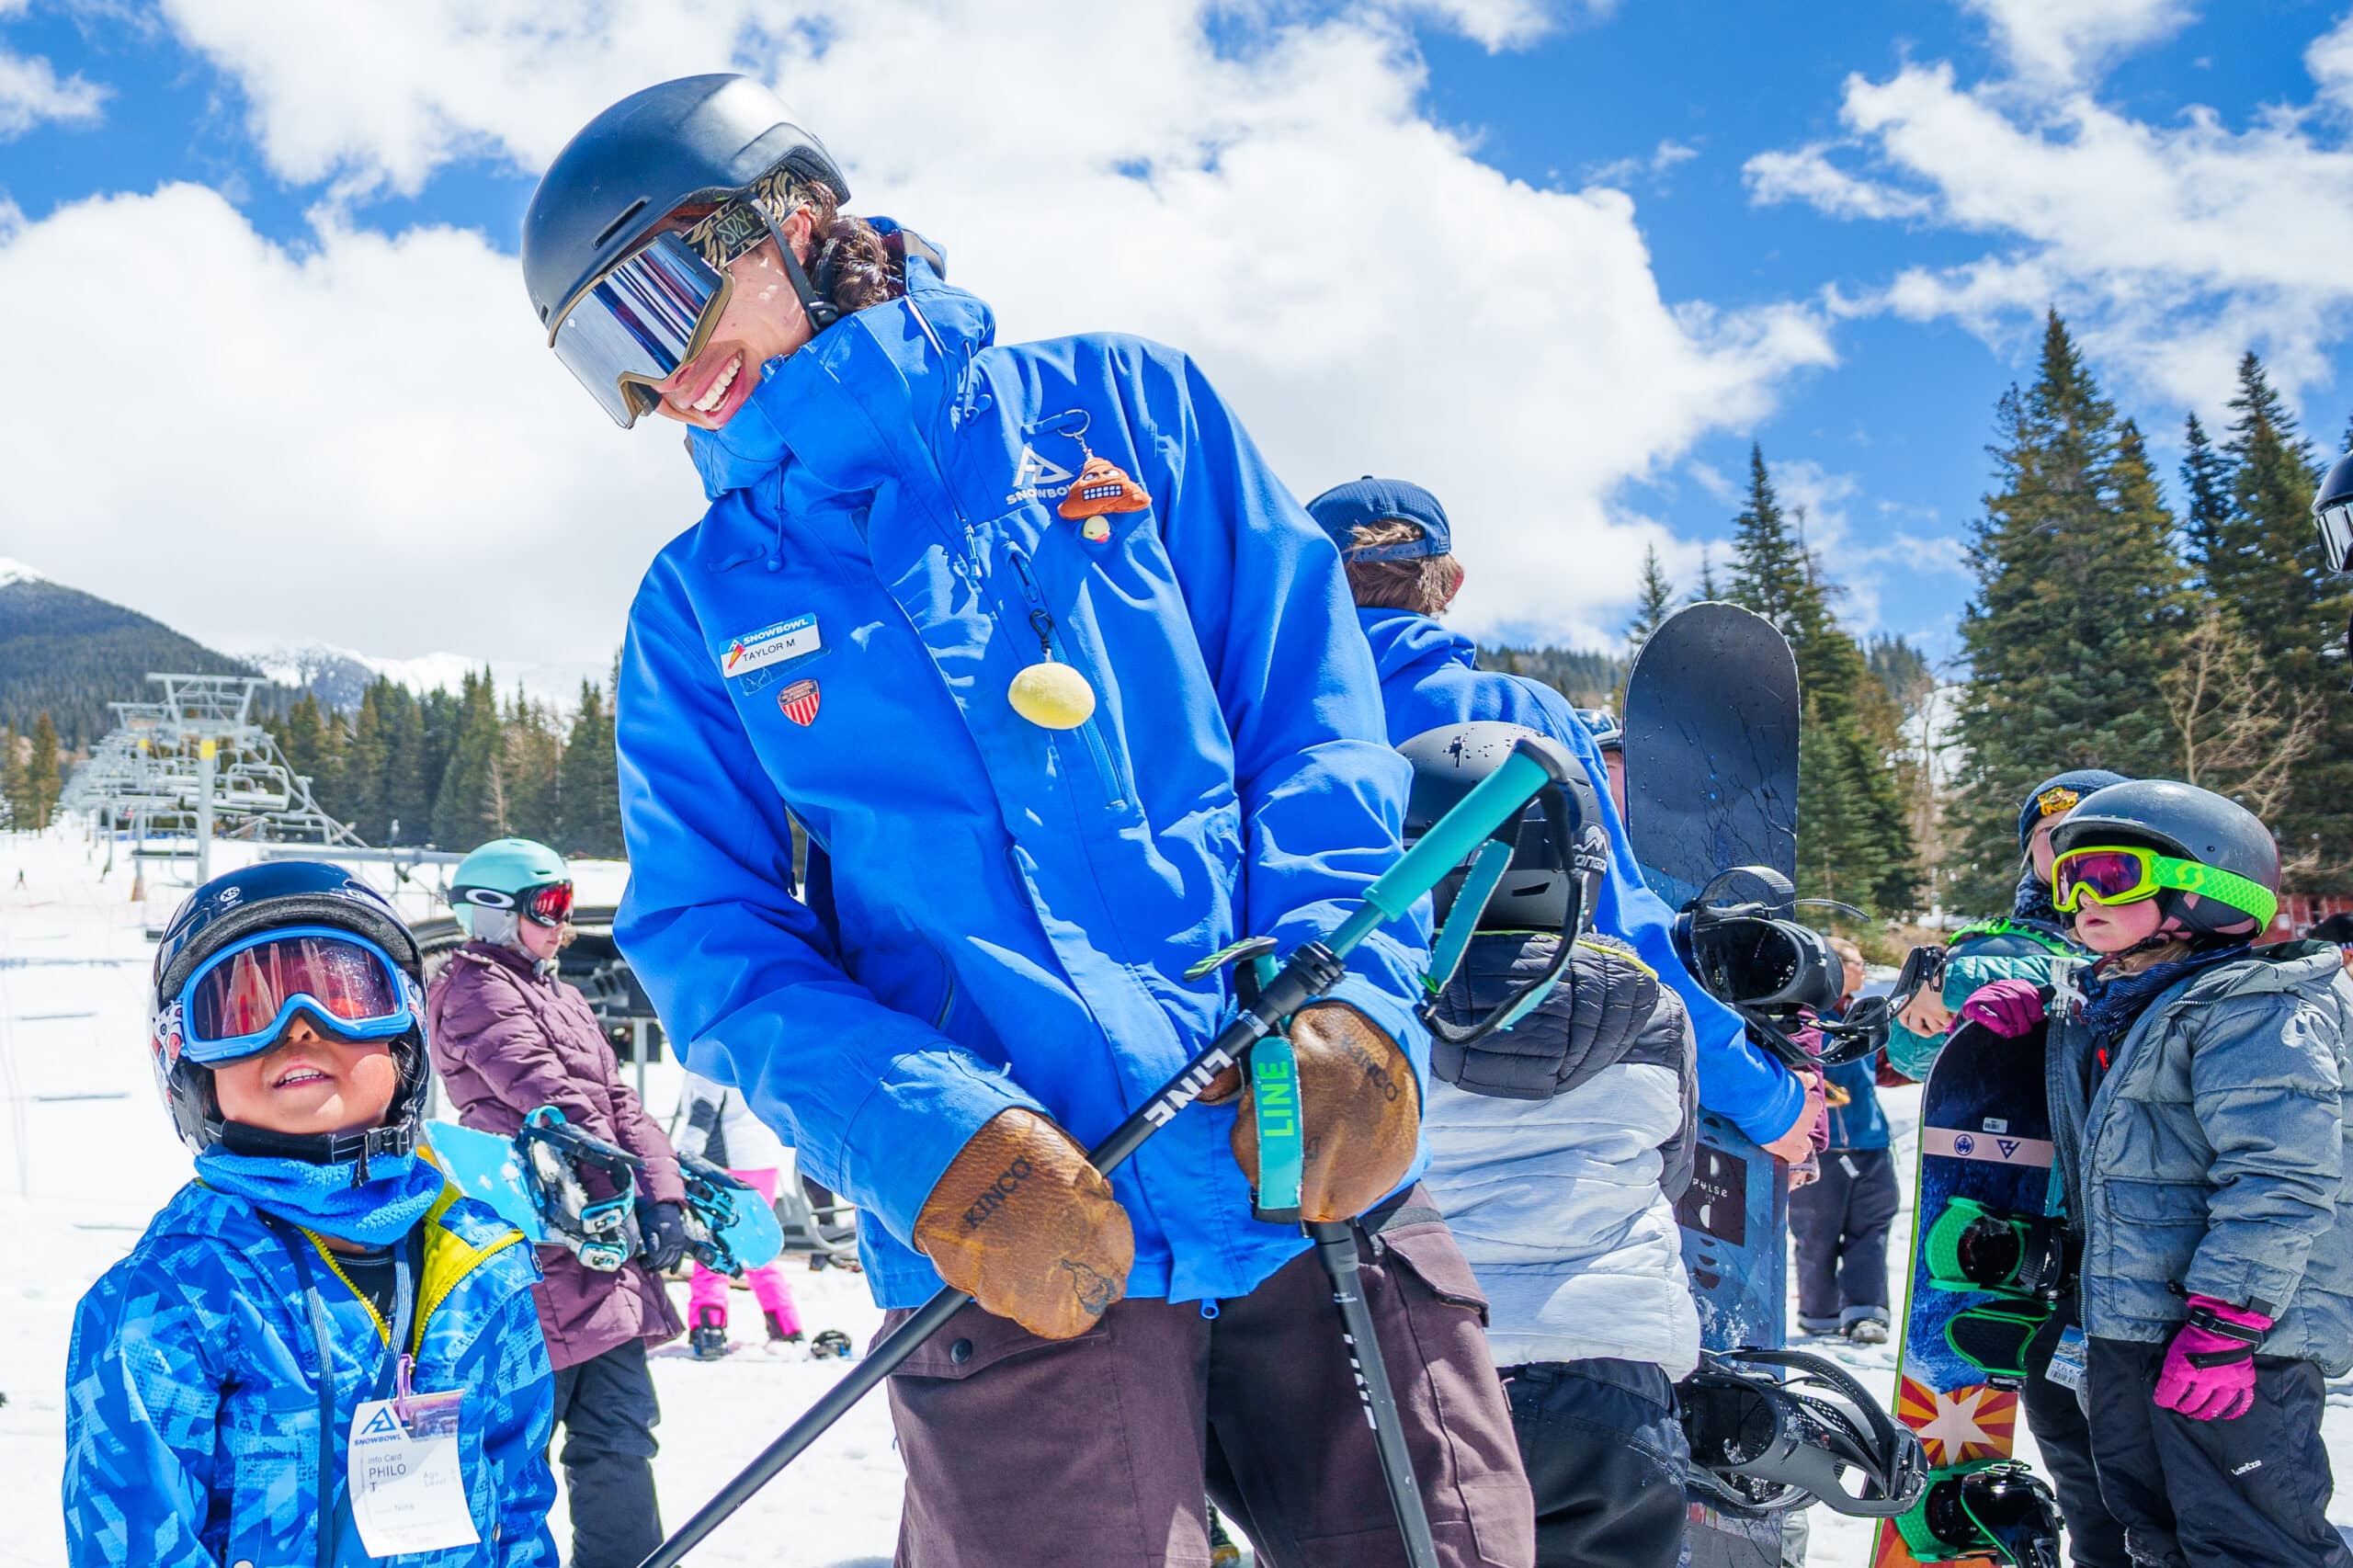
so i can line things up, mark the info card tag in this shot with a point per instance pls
(408, 1493)
(2067, 1360)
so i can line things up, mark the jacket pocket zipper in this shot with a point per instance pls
(1050, 643)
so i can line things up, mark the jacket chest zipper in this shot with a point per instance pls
(1052, 645)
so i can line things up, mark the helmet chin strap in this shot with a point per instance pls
(822, 312)
(393, 1140)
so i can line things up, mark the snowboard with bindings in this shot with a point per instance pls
(1988, 1260)
(533, 1180)
(1711, 782)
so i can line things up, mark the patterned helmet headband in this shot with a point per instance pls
(736, 226)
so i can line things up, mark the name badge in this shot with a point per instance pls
(407, 1489)
(769, 645)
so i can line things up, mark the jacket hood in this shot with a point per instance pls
(1406, 645)
(801, 408)
(2306, 967)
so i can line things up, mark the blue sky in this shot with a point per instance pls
(1581, 253)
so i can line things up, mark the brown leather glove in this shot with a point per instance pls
(1360, 1108)
(1028, 1228)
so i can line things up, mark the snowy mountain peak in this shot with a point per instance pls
(338, 675)
(18, 571)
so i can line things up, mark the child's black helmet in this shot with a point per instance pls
(2188, 824)
(271, 896)
(1448, 762)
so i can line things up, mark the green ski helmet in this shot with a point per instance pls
(514, 874)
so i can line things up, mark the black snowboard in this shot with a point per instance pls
(1711, 782)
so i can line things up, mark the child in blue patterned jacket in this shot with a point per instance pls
(288, 1038)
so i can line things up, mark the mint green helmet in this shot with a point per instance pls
(514, 874)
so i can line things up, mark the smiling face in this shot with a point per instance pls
(308, 1083)
(761, 321)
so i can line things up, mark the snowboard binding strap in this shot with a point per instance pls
(715, 1201)
(1995, 1510)
(1973, 1247)
(1992, 1338)
(601, 1233)
(1761, 1445)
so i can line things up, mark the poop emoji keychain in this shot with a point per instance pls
(1102, 487)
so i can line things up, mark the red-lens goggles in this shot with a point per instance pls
(243, 1000)
(2109, 875)
(549, 906)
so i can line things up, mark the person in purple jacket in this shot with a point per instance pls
(507, 1038)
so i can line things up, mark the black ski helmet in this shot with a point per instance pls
(2188, 824)
(271, 895)
(1451, 760)
(2333, 513)
(695, 140)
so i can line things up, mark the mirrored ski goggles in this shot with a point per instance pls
(2127, 875)
(245, 996)
(630, 330)
(550, 904)
(2335, 525)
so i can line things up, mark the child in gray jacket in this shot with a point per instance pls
(2196, 1085)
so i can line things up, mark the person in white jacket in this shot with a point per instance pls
(722, 1130)
(1557, 1149)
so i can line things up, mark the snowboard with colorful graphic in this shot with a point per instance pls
(1987, 1258)
(1711, 782)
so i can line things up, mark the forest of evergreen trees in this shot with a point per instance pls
(2110, 629)
(454, 769)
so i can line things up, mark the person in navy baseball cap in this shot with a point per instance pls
(1368, 503)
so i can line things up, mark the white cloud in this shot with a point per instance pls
(1663, 159)
(387, 402)
(1808, 176)
(31, 92)
(2062, 40)
(2170, 246)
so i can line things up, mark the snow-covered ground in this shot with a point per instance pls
(86, 1156)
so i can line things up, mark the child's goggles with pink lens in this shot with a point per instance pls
(244, 996)
(2127, 874)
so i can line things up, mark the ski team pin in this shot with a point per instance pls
(1102, 487)
(799, 701)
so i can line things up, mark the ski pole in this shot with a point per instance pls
(1313, 969)
(1335, 1247)
(1335, 1244)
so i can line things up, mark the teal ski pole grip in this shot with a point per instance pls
(1498, 799)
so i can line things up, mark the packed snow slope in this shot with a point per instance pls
(87, 1155)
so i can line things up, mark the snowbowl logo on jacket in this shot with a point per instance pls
(1037, 479)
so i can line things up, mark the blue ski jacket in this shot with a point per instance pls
(1430, 676)
(192, 1399)
(996, 915)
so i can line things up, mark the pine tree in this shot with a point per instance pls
(2080, 608)
(1768, 573)
(470, 806)
(534, 758)
(44, 780)
(1654, 602)
(309, 750)
(12, 779)
(366, 763)
(2206, 489)
(2268, 576)
(591, 782)
(1708, 588)
(1854, 840)
(410, 778)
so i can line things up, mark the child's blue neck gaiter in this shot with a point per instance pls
(376, 1212)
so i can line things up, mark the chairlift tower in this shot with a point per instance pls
(198, 763)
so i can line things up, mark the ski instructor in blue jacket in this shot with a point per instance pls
(1064, 690)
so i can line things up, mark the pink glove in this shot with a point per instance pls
(2008, 1007)
(1810, 1038)
(2210, 1375)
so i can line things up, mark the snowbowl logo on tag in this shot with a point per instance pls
(785, 639)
